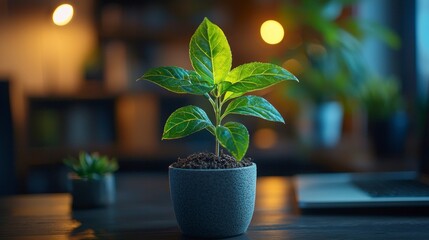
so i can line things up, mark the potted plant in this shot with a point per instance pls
(213, 194)
(387, 120)
(328, 46)
(92, 180)
(326, 91)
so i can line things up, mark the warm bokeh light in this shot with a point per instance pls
(272, 32)
(265, 138)
(272, 196)
(63, 14)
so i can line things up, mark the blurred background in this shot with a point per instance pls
(68, 83)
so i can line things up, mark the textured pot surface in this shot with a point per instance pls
(93, 193)
(213, 203)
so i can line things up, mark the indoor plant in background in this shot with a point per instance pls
(328, 46)
(387, 120)
(214, 193)
(92, 180)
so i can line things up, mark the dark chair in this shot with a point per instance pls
(8, 179)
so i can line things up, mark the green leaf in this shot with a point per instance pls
(185, 121)
(210, 53)
(254, 106)
(197, 85)
(255, 76)
(234, 137)
(222, 87)
(178, 80)
(86, 161)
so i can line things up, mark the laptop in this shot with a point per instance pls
(367, 190)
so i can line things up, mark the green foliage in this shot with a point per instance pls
(179, 80)
(185, 121)
(213, 78)
(91, 166)
(381, 97)
(210, 53)
(253, 106)
(256, 76)
(330, 48)
(234, 137)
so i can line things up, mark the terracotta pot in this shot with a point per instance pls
(213, 203)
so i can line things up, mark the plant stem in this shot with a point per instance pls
(218, 122)
(217, 110)
(210, 100)
(217, 148)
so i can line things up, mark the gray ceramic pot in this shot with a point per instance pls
(93, 193)
(213, 203)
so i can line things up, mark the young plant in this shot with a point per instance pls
(213, 78)
(91, 166)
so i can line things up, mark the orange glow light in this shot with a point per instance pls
(63, 14)
(272, 32)
(265, 138)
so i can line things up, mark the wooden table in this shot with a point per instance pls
(143, 211)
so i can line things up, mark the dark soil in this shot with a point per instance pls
(206, 160)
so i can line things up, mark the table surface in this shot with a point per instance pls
(144, 211)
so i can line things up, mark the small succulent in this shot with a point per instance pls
(224, 88)
(91, 166)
